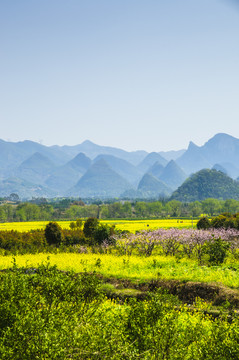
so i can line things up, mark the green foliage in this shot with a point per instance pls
(217, 250)
(53, 233)
(90, 226)
(22, 242)
(203, 223)
(49, 314)
(226, 221)
(207, 184)
(97, 232)
(79, 223)
(41, 309)
(67, 209)
(102, 233)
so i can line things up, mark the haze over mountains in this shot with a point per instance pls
(89, 170)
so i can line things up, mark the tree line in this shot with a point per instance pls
(68, 209)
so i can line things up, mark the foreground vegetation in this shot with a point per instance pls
(47, 314)
(93, 291)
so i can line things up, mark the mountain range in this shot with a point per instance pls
(89, 170)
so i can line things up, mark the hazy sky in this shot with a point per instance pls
(134, 74)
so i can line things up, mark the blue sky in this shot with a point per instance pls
(132, 74)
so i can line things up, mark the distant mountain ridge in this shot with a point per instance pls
(222, 148)
(90, 170)
(100, 180)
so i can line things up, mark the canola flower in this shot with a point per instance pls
(136, 268)
(130, 225)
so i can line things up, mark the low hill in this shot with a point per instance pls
(172, 155)
(231, 169)
(207, 184)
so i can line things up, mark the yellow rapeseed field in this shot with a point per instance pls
(132, 267)
(130, 225)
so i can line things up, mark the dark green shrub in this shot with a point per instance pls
(79, 223)
(53, 233)
(225, 221)
(230, 223)
(217, 250)
(203, 223)
(90, 226)
(103, 233)
(219, 221)
(97, 232)
(236, 221)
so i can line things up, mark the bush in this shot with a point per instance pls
(53, 233)
(96, 232)
(103, 233)
(90, 226)
(217, 250)
(203, 223)
(226, 221)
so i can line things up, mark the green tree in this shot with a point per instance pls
(104, 212)
(127, 210)
(203, 223)
(3, 215)
(27, 212)
(174, 208)
(211, 206)
(90, 226)
(53, 233)
(102, 233)
(9, 211)
(155, 208)
(141, 209)
(231, 206)
(195, 208)
(116, 210)
(217, 250)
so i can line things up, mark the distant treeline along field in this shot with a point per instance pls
(68, 209)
